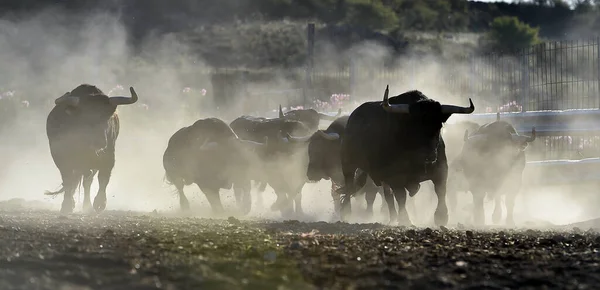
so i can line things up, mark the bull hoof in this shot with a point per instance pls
(68, 205)
(441, 218)
(99, 204)
(64, 210)
(185, 206)
(87, 207)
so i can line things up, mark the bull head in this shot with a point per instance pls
(73, 101)
(405, 108)
(516, 138)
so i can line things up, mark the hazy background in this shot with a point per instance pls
(49, 50)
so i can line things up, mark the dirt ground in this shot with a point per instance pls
(118, 250)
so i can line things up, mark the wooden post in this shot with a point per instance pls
(310, 33)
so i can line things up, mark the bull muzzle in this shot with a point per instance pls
(405, 108)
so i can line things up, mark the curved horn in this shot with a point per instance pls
(452, 109)
(329, 136)
(298, 139)
(396, 108)
(330, 118)
(280, 112)
(67, 99)
(477, 137)
(524, 138)
(115, 101)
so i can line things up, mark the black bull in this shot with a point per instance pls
(308, 117)
(281, 165)
(324, 160)
(493, 157)
(82, 130)
(397, 141)
(209, 154)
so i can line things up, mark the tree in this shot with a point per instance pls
(508, 34)
(371, 14)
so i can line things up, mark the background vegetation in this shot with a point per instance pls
(268, 33)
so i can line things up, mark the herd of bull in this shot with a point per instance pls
(387, 147)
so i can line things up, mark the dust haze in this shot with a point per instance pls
(50, 53)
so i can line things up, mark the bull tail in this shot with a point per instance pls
(61, 190)
(359, 181)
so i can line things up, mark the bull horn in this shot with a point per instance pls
(298, 139)
(280, 112)
(115, 101)
(524, 138)
(452, 109)
(330, 118)
(67, 99)
(396, 108)
(329, 136)
(476, 137)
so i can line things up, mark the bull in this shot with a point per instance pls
(493, 158)
(398, 142)
(280, 161)
(324, 160)
(82, 131)
(209, 154)
(453, 138)
(309, 117)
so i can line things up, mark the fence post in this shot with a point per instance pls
(352, 78)
(310, 34)
(524, 96)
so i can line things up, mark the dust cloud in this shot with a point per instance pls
(50, 53)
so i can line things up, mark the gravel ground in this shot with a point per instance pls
(117, 250)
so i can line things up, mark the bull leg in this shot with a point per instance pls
(243, 196)
(440, 180)
(497, 214)
(214, 199)
(183, 201)
(298, 204)
(381, 191)
(370, 195)
(348, 190)
(262, 186)
(336, 198)
(510, 199)
(87, 184)
(389, 199)
(70, 182)
(401, 195)
(103, 179)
